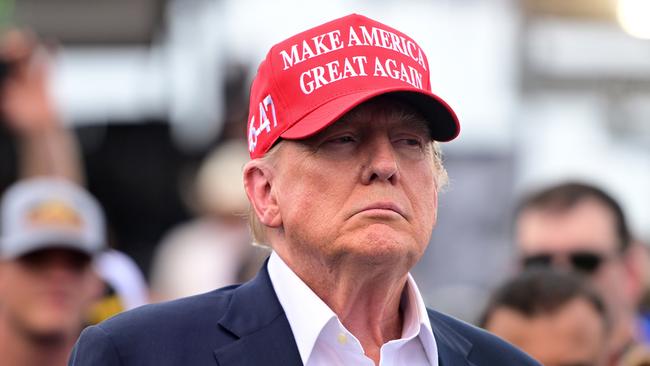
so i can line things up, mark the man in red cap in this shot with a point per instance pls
(343, 184)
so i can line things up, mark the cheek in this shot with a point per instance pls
(15, 283)
(618, 279)
(313, 194)
(424, 197)
(93, 288)
(432, 205)
(19, 293)
(610, 274)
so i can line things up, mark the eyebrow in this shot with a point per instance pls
(406, 118)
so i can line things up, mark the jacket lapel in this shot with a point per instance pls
(453, 348)
(257, 319)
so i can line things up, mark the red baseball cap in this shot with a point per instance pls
(310, 80)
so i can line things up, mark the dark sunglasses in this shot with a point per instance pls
(581, 261)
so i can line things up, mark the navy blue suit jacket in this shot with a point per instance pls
(246, 325)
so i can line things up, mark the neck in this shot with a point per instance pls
(366, 299)
(17, 348)
(372, 314)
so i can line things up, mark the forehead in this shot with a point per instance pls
(587, 225)
(383, 111)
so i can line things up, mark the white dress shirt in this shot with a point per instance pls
(323, 341)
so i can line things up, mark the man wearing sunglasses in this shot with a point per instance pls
(580, 227)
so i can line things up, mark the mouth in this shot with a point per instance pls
(383, 208)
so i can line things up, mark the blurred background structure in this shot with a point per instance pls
(546, 90)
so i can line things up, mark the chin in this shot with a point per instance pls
(382, 245)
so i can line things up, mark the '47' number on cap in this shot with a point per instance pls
(265, 106)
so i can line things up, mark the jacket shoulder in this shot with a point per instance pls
(187, 312)
(484, 348)
(154, 334)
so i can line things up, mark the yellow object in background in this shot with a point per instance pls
(105, 308)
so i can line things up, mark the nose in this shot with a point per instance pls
(381, 162)
(561, 261)
(58, 273)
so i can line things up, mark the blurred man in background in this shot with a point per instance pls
(50, 230)
(581, 228)
(552, 315)
(48, 149)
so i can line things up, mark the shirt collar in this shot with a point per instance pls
(416, 320)
(308, 314)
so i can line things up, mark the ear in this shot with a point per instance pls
(636, 263)
(258, 183)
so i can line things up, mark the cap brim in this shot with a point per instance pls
(18, 247)
(443, 121)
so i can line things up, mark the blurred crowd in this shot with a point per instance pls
(578, 296)
(58, 272)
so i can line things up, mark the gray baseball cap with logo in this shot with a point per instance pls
(44, 213)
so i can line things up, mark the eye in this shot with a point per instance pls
(410, 142)
(345, 139)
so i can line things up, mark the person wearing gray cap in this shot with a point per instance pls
(50, 231)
